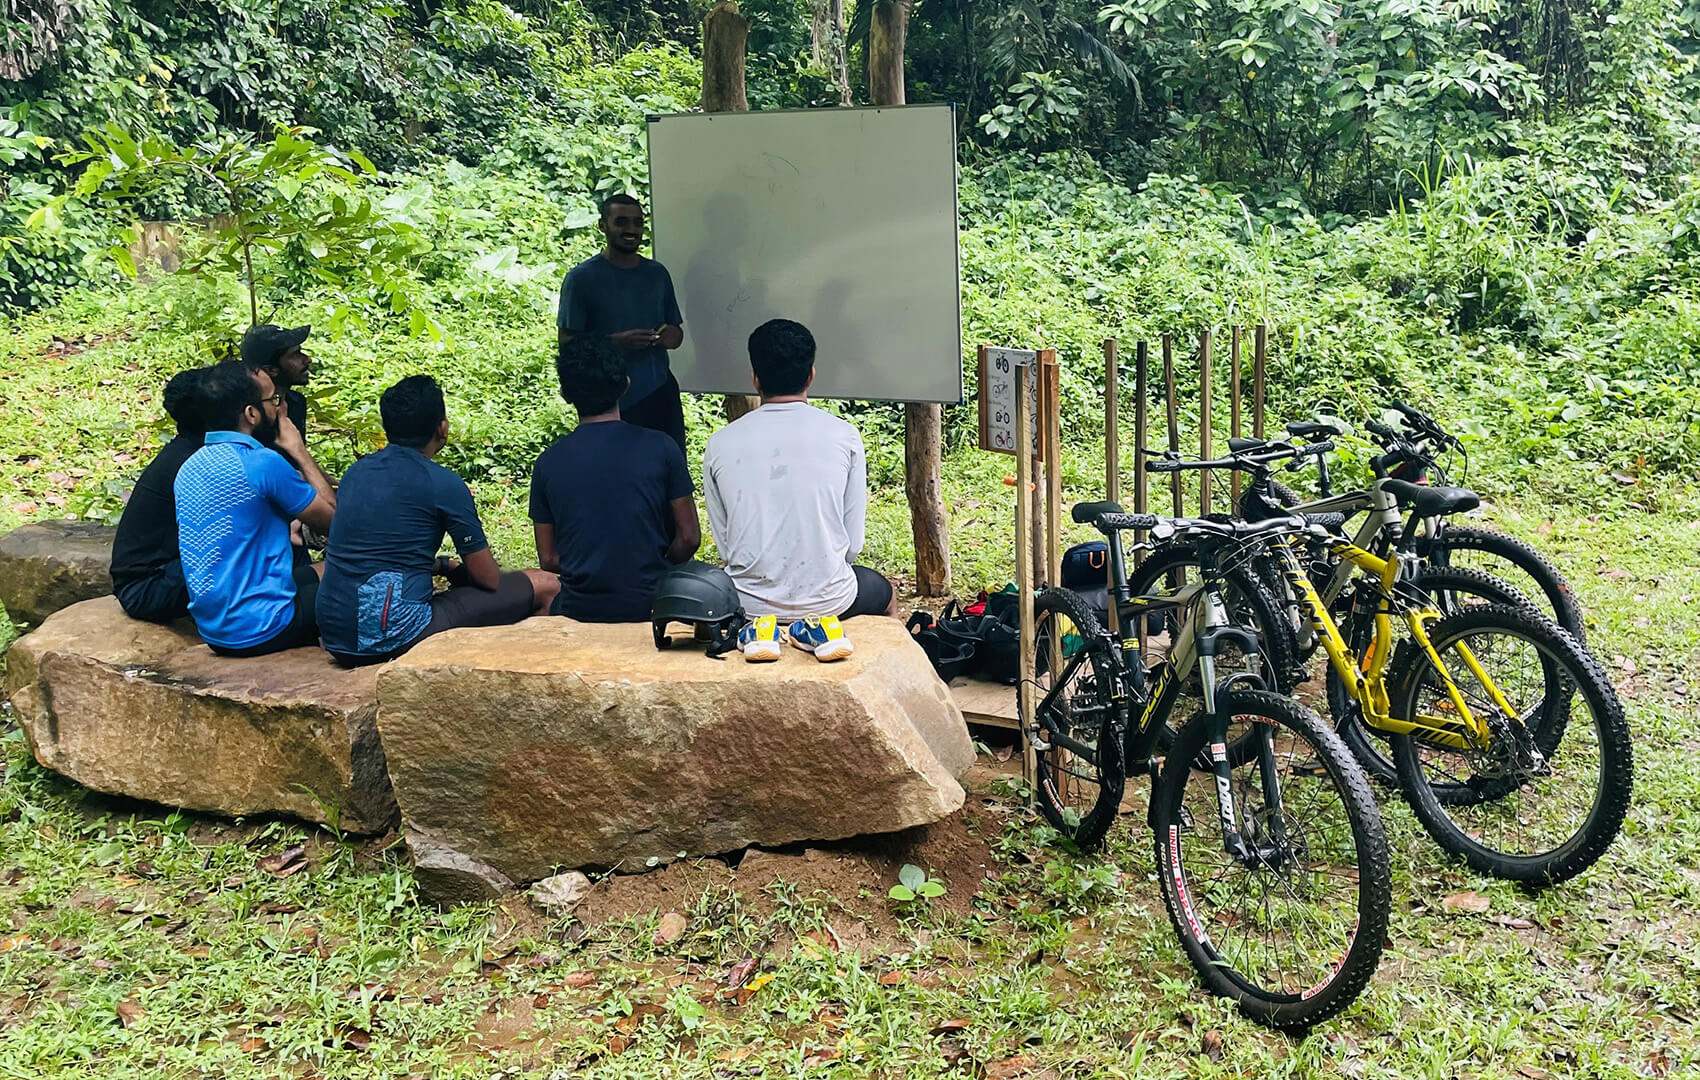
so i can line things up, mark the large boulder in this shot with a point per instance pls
(149, 712)
(557, 744)
(51, 565)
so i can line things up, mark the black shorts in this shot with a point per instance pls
(161, 597)
(661, 411)
(465, 605)
(873, 593)
(303, 628)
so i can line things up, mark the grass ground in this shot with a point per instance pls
(136, 942)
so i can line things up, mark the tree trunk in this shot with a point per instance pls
(826, 35)
(887, 31)
(725, 38)
(923, 425)
(725, 35)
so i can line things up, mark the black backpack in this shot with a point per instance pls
(984, 646)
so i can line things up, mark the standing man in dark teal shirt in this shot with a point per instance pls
(620, 295)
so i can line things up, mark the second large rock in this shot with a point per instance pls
(556, 744)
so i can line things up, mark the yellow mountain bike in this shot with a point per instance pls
(1507, 739)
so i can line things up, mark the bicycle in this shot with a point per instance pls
(1282, 905)
(1471, 752)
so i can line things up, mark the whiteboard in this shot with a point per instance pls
(842, 219)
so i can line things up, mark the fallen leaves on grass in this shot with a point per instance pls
(130, 1014)
(1011, 1067)
(1466, 901)
(894, 978)
(289, 861)
(954, 1024)
(740, 973)
(16, 941)
(1211, 1045)
(578, 980)
(353, 1038)
(670, 929)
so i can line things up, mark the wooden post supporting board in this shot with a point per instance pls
(1234, 405)
(1205, 420)
(1112, 422)
(1024, 562)
(1174, 421)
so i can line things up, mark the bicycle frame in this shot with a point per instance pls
(1367, 678)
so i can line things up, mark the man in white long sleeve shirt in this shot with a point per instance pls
(786, 487)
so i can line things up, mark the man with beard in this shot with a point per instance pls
(620, 295)
(277, 351)
(235, 499)
(147, 572)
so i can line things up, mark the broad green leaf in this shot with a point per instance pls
(901, 892)
(911, 875)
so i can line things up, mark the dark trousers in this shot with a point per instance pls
(158, 598)
(661, 411)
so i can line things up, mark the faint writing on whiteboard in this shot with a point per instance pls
(997, 389)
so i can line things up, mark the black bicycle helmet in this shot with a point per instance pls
(703, 596)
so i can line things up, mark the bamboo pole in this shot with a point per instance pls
(1174, 420)
(1141, 401)
(1112, 420)
(1205, 420)
(1050, 394)
(1024, 565)
(1259, 350)
(1234, 405)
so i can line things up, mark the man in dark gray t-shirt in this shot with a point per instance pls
(620, 295)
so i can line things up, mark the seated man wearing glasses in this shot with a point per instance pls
(235, 497)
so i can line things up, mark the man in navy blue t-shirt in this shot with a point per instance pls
(611, 503)
(235, 498)
(620, 295)
(376, 600)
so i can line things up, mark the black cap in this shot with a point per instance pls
(263, 344)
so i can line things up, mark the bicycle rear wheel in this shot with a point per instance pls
(1509, 805)
(1293, 931)
(1082, 775)
(1514, 562)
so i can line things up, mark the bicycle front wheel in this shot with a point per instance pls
(1543, 796)
(1081, 775)
(1292, 929)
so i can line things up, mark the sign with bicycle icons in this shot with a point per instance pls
(997, 396)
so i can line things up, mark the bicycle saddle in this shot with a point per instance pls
(1431, 501)
(1089, 512)
(1304, 429)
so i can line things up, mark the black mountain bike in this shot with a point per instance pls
(1272, 858)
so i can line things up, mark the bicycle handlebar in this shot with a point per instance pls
(1247, 461)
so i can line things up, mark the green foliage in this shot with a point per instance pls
(914, 886)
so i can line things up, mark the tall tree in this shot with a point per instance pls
(725, 42)
(923, 425)
(826, 35)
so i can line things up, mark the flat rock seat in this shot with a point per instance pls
(149, 712)
(550, 744)
(513, 751)
(49, 565)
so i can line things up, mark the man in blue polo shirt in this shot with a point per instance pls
(376, 600)
(235, 497)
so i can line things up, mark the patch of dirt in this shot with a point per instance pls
(854, 875)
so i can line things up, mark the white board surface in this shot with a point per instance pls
(842, 219)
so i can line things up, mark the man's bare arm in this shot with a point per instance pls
(687, 530)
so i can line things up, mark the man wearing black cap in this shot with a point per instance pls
(147, 570)
(278, 353)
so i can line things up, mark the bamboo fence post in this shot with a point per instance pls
(1174, 420)
(1024, 564)
(1141, 361)
(1259, 350)
(1234, 405)
(1205, 420)
(1112, 419)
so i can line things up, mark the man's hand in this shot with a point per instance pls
(289, 440)
(453, 570)
(635, 339)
